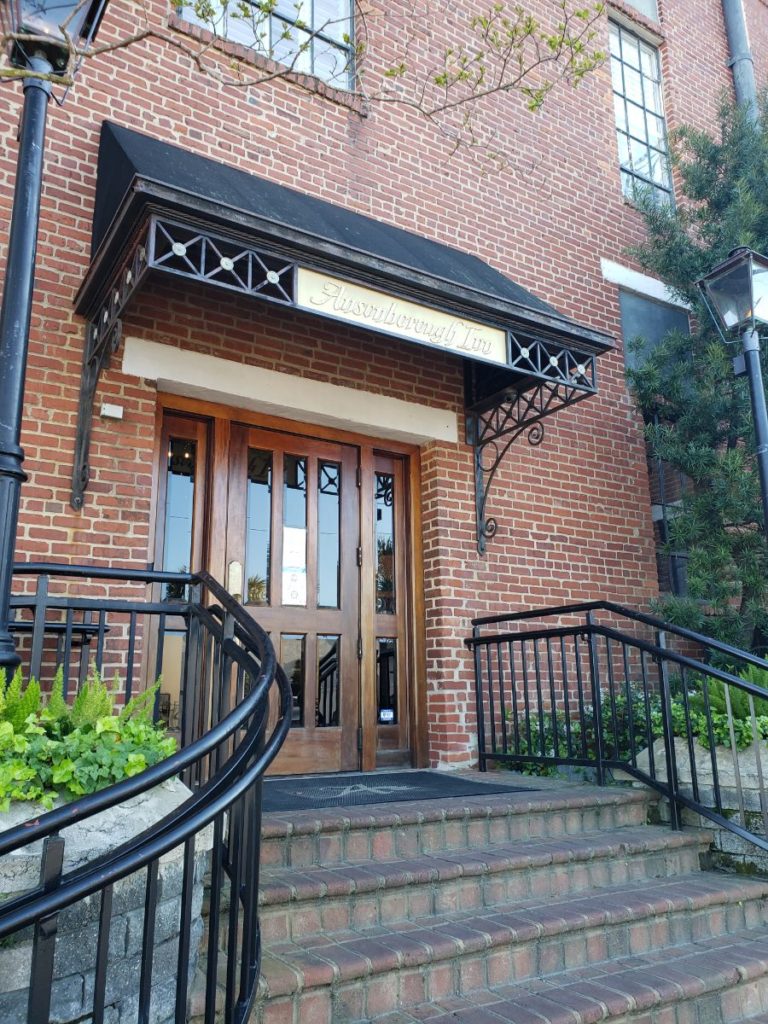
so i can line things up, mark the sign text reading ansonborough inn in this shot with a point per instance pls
(378, 311)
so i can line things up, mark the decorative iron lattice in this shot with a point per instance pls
(181, 250)
(102, 339)
(492, 431)
(551, 360)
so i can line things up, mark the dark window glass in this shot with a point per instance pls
(644, 318)
(385, 543)
(292, 660)
(328, 533)
(179, 511)
(328, 662)
(386, 680)
(258, 524)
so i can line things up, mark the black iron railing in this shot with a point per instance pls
(163, 926)
(599, 686)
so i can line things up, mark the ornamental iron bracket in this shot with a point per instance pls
(183, 251)
(552, 377)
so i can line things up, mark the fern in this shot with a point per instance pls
(141, 708)
(57, 708)
(94, 701)
(20, 701)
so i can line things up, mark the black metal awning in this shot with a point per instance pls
(163, 210)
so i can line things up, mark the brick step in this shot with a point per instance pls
(403, 830)
(347, 976)
(719, 980)
(299, 902)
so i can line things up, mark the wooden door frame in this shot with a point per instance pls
(220, 417)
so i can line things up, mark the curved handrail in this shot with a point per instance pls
(247, 758)
(77, 810)
(628, 613)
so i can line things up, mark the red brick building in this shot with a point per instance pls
(315, 459)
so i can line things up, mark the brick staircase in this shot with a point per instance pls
(560, 905)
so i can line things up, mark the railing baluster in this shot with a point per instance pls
(630, 699)
(513, 693)
(68, 624)
(491, 700)
(526, 701)
(102, 955)
(539, 699)
(214, 920)
(185, 929)
(148, 943)
(712, 746)
(235, 858)
(690, 739)
(38, 627)
(44, 937)
(612, 698)
(502, 700)
(734, 754)
(594, 672)
(669, 739)
(566, 698)
(553, 701)
(130, 659)
(649, 737)
(479, 710)
(580, 696)
(756, 745)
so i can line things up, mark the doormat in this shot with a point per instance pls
(355, 789)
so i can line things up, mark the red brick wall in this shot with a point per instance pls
(573, 513)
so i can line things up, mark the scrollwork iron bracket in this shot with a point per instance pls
(493, 430)
(102, 339)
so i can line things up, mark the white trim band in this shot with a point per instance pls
(634, 281)
(196, 375)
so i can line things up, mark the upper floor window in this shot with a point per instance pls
(311, 37)
(640, 125)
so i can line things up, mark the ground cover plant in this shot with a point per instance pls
(50, 749)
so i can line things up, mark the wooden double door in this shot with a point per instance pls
(313, 537)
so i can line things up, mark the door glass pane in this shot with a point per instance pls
(292, 660)
(179, 511)
(294, 530)
(258, 523)
(328, 533)
(385, 543)
(327, 681)
(386, 680)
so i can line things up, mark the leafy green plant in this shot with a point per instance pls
(51, 749)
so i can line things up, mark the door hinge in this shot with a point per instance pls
(359, 477)
(360, 554)
(359, 739)
(359, 648)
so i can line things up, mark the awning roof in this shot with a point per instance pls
(138, 175)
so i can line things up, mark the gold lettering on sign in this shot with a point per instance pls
(357, 304)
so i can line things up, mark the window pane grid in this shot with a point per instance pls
(640, 127)
(324, 28)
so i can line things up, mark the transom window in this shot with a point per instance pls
(311, 37)
(640, 126)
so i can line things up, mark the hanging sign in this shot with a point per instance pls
(342, 300)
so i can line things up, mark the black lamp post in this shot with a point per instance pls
(736, 295)
(38, 45)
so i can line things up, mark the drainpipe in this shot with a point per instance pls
(740, 56)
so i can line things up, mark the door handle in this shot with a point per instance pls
(235, 580)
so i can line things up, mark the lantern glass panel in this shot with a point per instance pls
(45, 17)
(760, 290)
(731, 294)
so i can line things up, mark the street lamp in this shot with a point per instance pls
(38, 31)
(736, 294)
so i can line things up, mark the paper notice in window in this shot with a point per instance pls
(294, 566)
